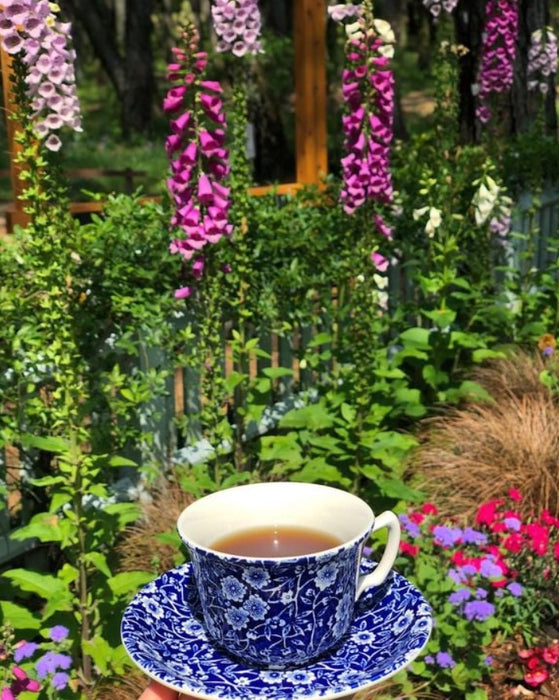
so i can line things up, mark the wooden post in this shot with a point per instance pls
(310, 90)
(15, 215)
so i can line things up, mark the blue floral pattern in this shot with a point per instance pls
(277, 613)
(163, 632)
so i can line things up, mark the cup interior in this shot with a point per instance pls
(290, 504)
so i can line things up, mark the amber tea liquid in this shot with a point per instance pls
(275, 541)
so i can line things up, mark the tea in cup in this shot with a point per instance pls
(277, 567)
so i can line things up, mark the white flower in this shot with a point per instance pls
(435, 217)
(418, 213)
(354, 30)
(386, 51)
(384, 30)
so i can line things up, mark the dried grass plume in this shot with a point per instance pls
(476, 452)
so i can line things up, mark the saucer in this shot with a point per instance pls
(163, 632)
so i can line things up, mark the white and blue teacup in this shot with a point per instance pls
(281, 612)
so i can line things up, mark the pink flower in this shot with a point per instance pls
(379, 261)
(196, 184)
(183, 292)
(237, 24)
(515, 495)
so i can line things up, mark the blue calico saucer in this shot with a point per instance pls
(163, 633)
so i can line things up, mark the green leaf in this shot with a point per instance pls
(44, 526)
(101, 653)
(315, 417)
(47, 481)
(284, 448)
(17, 617)
(416, 337)
(348, 413)
(318, 469)
(471, 391)
(118, 461)
(129, 581)
(320, 339)
(48, 444)
(393, 488)
(482, 354)
(44, 585)
(99, 561)
(233, 381)
(434, 377)
(277, 372)
(441, 317)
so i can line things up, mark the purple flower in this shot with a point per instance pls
(513, 524)
(515, 589)
(60, 680)
(471, 536)
(542, 59)
(478, 610)
(445, 660)
(498, 52)
(198, 161)
(369, 114)
(447, 536)
(489, 569)
(33, 32)
(460, 596)
(25, 651)
(51, 662)
(237, 24)
(409, 526)
(58, 633)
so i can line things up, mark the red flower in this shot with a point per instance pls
(515, 495)
(429, 509)
(407, 548)
(513, 543)
(416, 517)
(536, 677)
(551, 654)
(487, 512)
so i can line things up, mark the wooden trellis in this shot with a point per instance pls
(311, 162)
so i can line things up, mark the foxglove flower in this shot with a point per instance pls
(368, 94)
(237, 24)
(198, 158)
(435, 7)
(497, 53)
(542, 59)
(31, 31)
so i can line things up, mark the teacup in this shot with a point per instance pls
(269, 607)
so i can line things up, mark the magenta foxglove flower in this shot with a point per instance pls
(30, 30)
(199, 161)
(368, 94)
(237, 24)
(497, 54)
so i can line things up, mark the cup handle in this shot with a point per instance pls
(390, 520)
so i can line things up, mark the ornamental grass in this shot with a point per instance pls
(475, 452)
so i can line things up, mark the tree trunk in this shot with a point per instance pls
(137, 91)
(130, 68)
